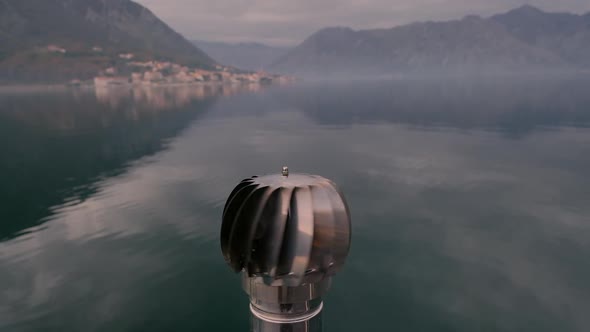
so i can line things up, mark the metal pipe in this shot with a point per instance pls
(282, 308)
(313, 324)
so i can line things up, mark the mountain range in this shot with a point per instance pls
(111, 26)
(57, 40)
(248, 56)
(523, 39)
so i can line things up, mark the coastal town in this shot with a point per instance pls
(162, 72)
(132, 71)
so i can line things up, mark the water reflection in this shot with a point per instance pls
(457, 225)
(166, 97)
(514, 106)
(57, 145)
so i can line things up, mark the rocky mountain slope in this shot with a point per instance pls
(248, 56)
(504, 42)
(567, 35)
(91, 31)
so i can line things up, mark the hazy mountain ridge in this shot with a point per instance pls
(470, 44)
(565, 34)
(249, 56)
(79, 25)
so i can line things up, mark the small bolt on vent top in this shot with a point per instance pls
(288, 235)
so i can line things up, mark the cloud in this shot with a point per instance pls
(287, 22)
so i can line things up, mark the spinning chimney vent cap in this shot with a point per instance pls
(286, 229)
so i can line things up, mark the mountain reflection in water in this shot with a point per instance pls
(58, 144)
(469, 201)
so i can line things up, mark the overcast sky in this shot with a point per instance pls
(288, 22)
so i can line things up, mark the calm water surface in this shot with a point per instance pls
(470, 202)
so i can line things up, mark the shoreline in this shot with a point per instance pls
(37, 87)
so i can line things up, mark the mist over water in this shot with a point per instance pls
(469, 201)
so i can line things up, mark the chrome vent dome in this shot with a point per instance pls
(286, 229)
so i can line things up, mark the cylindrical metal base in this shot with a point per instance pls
(311, 323)
(283, 308)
